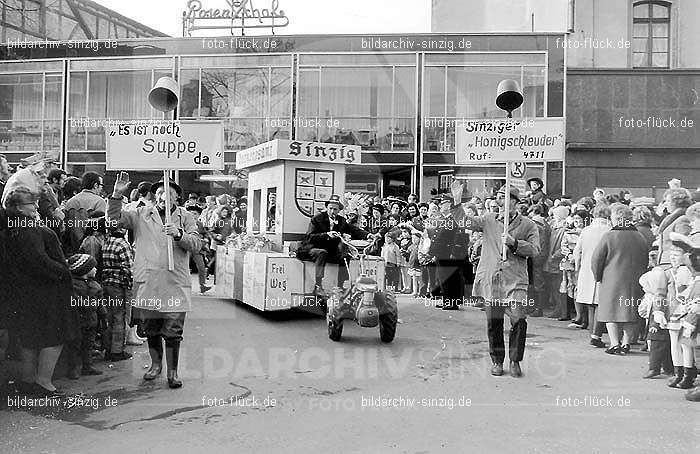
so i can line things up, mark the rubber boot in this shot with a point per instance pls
(688, 378)
(677, 377)
(155, 349)
(172, 356)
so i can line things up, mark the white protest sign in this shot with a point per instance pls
(507, 140)
(165, 145)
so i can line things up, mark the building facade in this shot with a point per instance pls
(633, 95)
(633, 84)
(399, 97)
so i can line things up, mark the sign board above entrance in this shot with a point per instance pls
(165, 145)
(298, 150)
(508, 140)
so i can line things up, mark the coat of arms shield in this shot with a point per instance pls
(312, 188)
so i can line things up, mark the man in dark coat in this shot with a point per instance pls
(322, 243)
(450, 254)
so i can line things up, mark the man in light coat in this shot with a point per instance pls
(162, 297)
(503, 284)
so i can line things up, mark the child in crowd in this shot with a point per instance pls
(568, 267)
(392, 258)
(427, 266)
(404, 245)
(669, 310)
(87, 295)
(414, 267)
(658, 339)
(117, 260)
(92, 244)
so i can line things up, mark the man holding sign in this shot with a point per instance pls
(162, 296)
(502, 283)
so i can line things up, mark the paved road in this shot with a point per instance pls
(256, 383)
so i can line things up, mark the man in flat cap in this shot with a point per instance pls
(502, 283)
(162, 296)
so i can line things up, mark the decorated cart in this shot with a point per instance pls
(289, 181)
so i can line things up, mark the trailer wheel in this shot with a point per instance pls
(388, 316)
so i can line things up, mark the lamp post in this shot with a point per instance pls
(508, 98)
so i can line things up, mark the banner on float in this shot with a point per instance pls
(165, 145)
(298, 150)
(508, 140)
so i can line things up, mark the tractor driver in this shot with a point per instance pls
(323, 241)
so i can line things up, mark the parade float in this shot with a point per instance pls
(289, 182)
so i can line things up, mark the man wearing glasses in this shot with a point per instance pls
(79, 208)
(502, 283)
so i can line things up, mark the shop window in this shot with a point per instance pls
(373, 107)
(453, 93)
(651, 34)
(255, 103)
(30, 109)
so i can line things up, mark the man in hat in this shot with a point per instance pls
(162, 297)
(536, 194)
(449, 249)
(322, 243)
(502, 283)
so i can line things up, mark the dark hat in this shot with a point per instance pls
(193, 195)
(335, 198)
(391, 200)
(444, 198)
(514, 192)
(144, 187)
(193, 207)
(538, 180)
(174, 185)
(81, 264)
(379, 207)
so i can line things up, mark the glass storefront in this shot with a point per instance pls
(401, 106)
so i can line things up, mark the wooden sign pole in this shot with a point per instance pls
(506, 207)
(168, 217)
